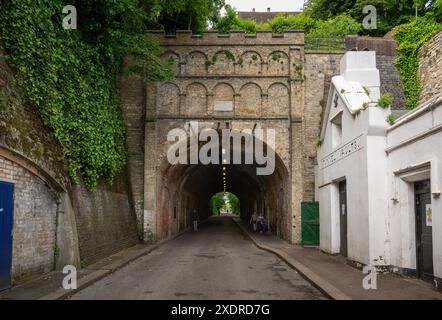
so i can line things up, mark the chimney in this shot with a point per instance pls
(268, 9)
(253, 10)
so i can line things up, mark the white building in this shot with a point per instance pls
(379, 184)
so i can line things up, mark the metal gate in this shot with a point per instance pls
(310, 223)
(6, 211)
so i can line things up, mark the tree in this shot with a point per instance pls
(301, 21)
(188, 14)
(390, 13)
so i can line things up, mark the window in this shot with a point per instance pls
(337, 130)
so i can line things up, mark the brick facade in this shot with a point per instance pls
(35, 214)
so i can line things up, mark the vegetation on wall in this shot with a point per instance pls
(410, 37)
(71, 75)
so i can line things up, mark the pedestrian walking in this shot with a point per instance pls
(253, 220)
(195, 219)
(259, 223)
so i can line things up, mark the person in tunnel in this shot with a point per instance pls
(262, 224)
(253, 220)
(195, 219)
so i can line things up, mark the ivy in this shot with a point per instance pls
(410, 38)
(71, 77)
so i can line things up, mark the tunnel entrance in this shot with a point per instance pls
(224, 202)
(184, 187)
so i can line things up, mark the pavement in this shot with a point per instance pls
(49, 286)
(216, 262)
(334, 277)
(222, 261)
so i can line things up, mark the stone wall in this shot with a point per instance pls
(105, 219)
(261, 78)
(319, 69)
(390, 80)
(430, 66)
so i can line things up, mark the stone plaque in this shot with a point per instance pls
(223, 105)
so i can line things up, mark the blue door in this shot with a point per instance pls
(6, 208)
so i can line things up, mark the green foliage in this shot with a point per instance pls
(229, 55)
(389, 13)
(366, 90)
(232, 22)
(410, 38)
(385, 101)
(280, 23)
(338, 26)
(391, 118)
(56, 251)
(224, 201)
(70, 75)
(83, 264)
(333, 27)
(175, 15)
(276, 56)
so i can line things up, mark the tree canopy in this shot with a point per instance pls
(390, 13)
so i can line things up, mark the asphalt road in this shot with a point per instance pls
(216, 262)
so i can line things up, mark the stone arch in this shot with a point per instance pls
(175, 57)
(195, 184)
(196, 100)
(278, 99)
(278, 63)
(196, 63)
(168, 99)
(250, 63)
(221, 63)
(250, 100)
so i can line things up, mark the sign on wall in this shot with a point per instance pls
(223, 105)
(343, 152)
(429, 215)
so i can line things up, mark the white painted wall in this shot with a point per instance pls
(405, 159)
(380, 172)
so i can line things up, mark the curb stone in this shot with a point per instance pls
(320, 283)
(90, 279)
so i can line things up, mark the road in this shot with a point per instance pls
(216, 262)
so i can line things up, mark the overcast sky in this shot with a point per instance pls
(262, 5)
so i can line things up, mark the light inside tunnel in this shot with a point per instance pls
(185, 187)
(224, 203)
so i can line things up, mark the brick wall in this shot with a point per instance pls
(390, 80)
(319, 69)
(105, 220)
(35, 212)
(430, 66)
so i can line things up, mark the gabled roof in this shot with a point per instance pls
(351, 93)
(265, 16)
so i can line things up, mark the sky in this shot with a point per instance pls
(262, 5)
